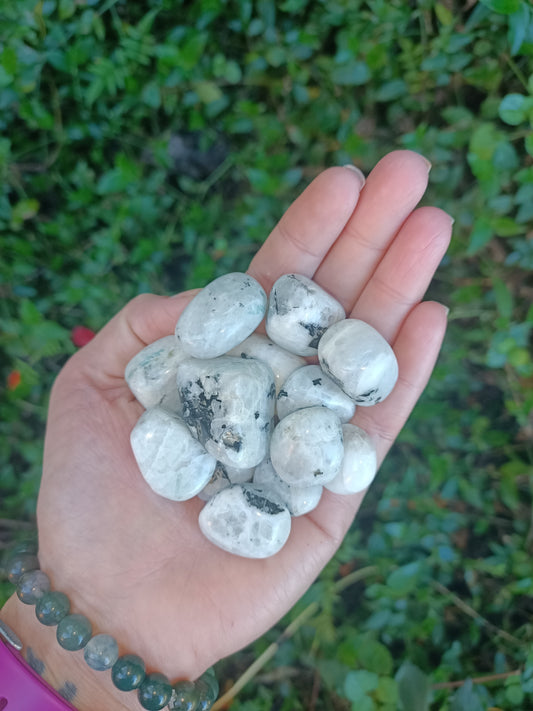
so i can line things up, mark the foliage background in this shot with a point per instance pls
(151, 146)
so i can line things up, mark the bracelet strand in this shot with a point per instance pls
(74, 632)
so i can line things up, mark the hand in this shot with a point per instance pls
(136, 564)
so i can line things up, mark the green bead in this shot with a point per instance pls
(155, 692)
(52, 607)
(73, 632)
(207, 687)
(128, 672)
(32, 586)
(19, 563)
(186, 697)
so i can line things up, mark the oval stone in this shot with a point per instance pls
(229, 402)
(306, 446)
(281, 361)
(221, 315)
(244, 521)
(151, 374)
(171, 460)
(310, 386)
(359, 360)
(299, 312)
(359, 464)
(298, 499)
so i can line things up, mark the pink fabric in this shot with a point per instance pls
(22, 689)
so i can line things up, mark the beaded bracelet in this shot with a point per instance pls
(74, 632)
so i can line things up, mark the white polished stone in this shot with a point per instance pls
(359, 360)
(243, 521)
(221, 316)
(299, 312)
(222, 478)
(298, 499)
(229, 401)
(151, 374)
(171, 460)
(310, 386)
(306, 446)
(359, 463)
(281, 361)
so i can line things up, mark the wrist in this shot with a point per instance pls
(64, 671)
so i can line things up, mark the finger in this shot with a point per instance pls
(417, 347)
(392, 191)
(405, 272)
(308, 228)
(142, 321)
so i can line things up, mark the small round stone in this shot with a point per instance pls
(52, 608)
(101, 652)
(185, 697)
(155, 692)
(207, 687)
(32, 586)
(19, 563)
(128, 672)
(73, 632)
(306, 447)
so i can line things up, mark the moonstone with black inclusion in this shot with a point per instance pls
(171, 460)
(221, 315)
(306, 446)
(244, 521)
(298, 499)
(299, 312)
(359, 360)
(151, 374)
(310, 386)
(229, 402)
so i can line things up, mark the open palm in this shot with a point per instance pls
(136, 564)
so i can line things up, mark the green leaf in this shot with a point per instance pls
(466, 699)
(404, 579)
(151, 95)
(353, 74)
(505, 7)
(481, 235)
(208, 92)
(359, 682)
(518, 27)
(375, 657)
(414, 687)
(391, 90)
(444, 15)
(503, 296)
(513, 109)
(24, 210)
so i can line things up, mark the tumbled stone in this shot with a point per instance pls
(221, 316)
(306, 446)
(19, 563)
(223, 477)
(230, 403)
(299, 312)
(244, 521)
(310, 386)
(281, 361)
(359, 360)
(155, 692)
(151, 374)
(359, 463)
(298, 499)
(101, 652)
(171, 460)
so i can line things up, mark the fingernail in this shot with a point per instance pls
(358, 172)
(427, 162)
(446, 309)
